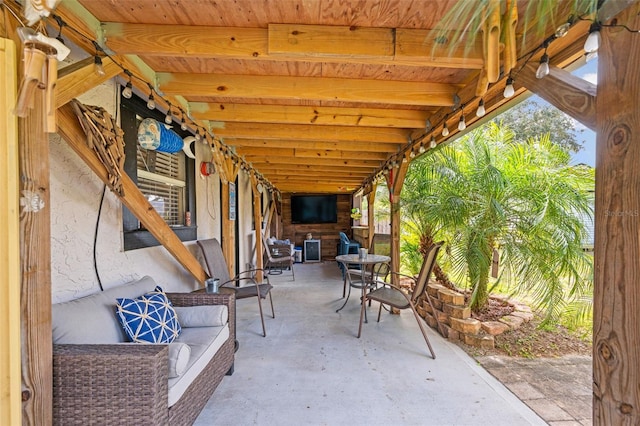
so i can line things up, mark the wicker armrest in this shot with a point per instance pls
(105, 384)
(200, 297)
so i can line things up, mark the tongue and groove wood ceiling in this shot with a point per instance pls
(317, 95)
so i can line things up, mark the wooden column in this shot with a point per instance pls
(395, 180)
(228, 225)
(371, 199)
(10, 405)
(35, 253)
(616, 321)
(257, 219)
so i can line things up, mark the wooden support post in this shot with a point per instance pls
(616, 320)
(371, 199)
(257, 219)
(228, 224)
(10, 395)
(35, 253)
(396, 181)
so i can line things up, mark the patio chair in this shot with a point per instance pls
(217, 266)
(346, 246)
(393, 296)
(278, 257)
(380, 271)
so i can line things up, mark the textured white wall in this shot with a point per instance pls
(75, 199)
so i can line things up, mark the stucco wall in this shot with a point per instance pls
(75, 200)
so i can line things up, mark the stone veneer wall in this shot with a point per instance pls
(456, 322)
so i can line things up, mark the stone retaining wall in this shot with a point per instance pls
(456, 322)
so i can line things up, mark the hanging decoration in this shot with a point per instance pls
(106, 139)
(153, 135)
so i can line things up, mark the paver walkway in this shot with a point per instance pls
(557, 389)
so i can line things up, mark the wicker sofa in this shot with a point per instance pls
(99, 378)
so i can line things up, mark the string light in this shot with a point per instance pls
(462, 124)
(151, 102)
(183, 123)
(412, 154)
(445, 129)
(168, 118)
(433, 142)
(97, 66)
(509, 91)
(481, 111)
(422, 149)
(593, 40)
(543, 68)
(127, 92)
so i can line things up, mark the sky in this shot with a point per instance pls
(587, 155)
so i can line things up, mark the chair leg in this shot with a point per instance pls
(424, 332)
(292, 272)
(273, 313)
(379, 311)
(363, 306)
(434, 313)
(344, 286)
(264, 329)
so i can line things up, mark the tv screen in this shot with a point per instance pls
(314, 208)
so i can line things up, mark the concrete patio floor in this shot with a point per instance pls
(312, 370)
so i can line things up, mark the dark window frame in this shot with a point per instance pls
(134, 236)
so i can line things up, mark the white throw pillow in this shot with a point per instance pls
(179, 354)
(202, 316)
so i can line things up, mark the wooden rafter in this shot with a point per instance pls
(288, 114)
(312, 88)
(306, 144)
(308, 132)
(79, 77)
(384, 46)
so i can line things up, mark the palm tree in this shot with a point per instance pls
(486, 193)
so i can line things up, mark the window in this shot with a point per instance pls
(166, 180)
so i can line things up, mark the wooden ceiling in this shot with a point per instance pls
(318, 95)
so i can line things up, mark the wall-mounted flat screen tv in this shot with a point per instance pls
(314, 208)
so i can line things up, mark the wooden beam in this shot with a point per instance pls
(312, 171)
(69, 128)
(432, 47)
(376, 46)
(78, 78)
(331, 41)
(292, 144)
(284, 161)
(616, 307)
(310, 88)
(567, 92)
(310, 153)
(289, 114)
(10, 389)
(320, 188)
(311, 133)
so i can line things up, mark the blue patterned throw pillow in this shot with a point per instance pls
(148, 319)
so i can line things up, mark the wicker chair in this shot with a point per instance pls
(396, 298)
(217, 265)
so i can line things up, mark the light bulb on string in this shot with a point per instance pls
(197, 135)
(543, 68)
(445, 130)
(151, 102)
(480, 112)
(412, 154)
(168, 119)
(593, 40)
(422, 149)
(462, 124)
(183, 123)
(562, 30)
(97, 66)
(433, 143)
(127, 92)
(509, 91)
